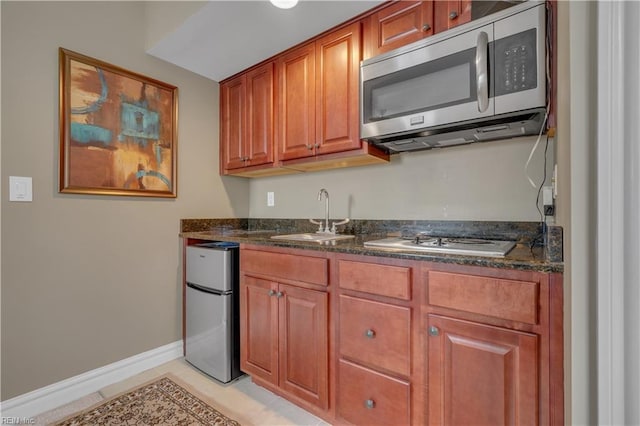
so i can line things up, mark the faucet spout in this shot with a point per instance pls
(326, 208)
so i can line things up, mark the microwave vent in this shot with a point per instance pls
(502, 127)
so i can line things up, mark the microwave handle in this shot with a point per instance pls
(482, 81)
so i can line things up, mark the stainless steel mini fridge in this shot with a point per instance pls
(212, 309)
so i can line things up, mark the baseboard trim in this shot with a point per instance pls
(68, 390)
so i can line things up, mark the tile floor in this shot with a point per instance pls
(241, 400)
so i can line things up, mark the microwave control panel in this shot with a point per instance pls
(515, 63)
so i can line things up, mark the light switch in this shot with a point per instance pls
(271, 199)
(20, 188)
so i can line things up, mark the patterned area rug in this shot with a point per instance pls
(161, 402)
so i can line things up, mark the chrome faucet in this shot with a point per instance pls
(326, 208)
(326, 229)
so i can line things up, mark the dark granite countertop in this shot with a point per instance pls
(522, 257)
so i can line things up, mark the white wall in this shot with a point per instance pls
(618, 279)
(580, 257)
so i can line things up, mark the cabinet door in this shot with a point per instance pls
(259, 328)
(259, 141)
(400, 23)
(232, 122)
(480, 374)
(451, 13)
(337, 90)
(304, 365)
(297, 103)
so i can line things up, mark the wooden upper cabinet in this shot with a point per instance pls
(296, 102)
(403, 22)
(451, 13)
(337, 90)
(319, 96)
(246, 112)
(400, 23)
(259, 141)
(232, 125)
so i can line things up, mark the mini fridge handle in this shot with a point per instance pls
(208, 290)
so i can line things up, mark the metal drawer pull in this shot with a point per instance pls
(279, 294)
(369, 404)
(453, 15)
(433, 331)
(272, 292)
(370, 333)
(426, 27)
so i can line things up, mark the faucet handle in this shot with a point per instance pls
(334, 224)
(317, 222)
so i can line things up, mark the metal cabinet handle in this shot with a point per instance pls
(453, 15)
(279, 294)
(370, 404)
(272, 292)
(317, 145)
(426, 27)
(433, 331)
(370, 333)
(309, 147)
(482, 80)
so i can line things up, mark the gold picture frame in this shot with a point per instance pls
(118, 130)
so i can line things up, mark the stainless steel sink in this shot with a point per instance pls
(315, 237)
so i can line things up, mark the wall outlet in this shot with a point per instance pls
(554, 181)
(271, 201)
(547, 201)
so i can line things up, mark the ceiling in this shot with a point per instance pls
(225, 37)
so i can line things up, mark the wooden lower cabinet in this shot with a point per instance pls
(365, 340)
(259, 329)
(303, 344)
(482, 375)
(284, 337)
(368, 397)
(378, 382)
(377, 334)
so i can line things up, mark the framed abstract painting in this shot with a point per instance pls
(118, 130)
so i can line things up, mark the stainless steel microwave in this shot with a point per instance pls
(484, 80)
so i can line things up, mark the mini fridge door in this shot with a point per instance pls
(208, 332)
(210, 267)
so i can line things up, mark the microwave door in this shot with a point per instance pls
(436, 84)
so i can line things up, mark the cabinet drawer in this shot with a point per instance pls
(494, 297)
(312, 270)
(383, 280)
(366, 397)
(376, 334)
